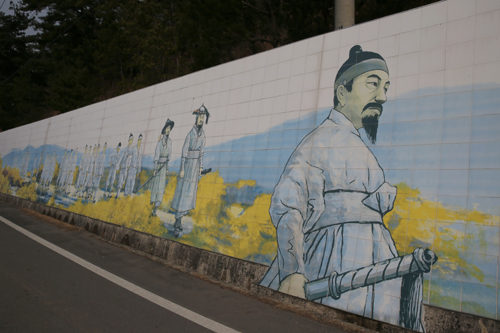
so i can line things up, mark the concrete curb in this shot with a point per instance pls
(246, 275)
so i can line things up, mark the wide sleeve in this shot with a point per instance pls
(157, 151)
(120, 157)
(169, 152)
(382, 200)
(202, 149)
(297, 203)
(185, 149)
(102, 164)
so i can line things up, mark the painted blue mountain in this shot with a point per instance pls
(15, 156)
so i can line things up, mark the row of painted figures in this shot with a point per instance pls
(126, 162)
(124, 166)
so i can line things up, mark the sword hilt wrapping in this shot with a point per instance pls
(418, 262)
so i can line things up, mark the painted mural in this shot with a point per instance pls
(380, 195)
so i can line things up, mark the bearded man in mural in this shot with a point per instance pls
(329, 203)
(191, 169)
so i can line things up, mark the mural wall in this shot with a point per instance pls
(362, 166)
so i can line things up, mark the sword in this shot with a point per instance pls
(147, 181)
(204, 172)
(418, 262)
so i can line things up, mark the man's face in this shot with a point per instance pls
(118, 149)
(167, 130)
(139, 143)
(130, 141)
(363, 105)
(199, 120)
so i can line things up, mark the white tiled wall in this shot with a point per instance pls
(442, 59)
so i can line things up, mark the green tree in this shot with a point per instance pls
(21, 89)
(85, 51)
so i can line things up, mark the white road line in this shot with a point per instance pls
(177, 309)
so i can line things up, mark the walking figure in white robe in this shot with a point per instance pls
(125, 160)
(163, 152)
(98, 170)
(190, 172)
(134, 168)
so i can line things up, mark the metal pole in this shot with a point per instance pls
(344, 13)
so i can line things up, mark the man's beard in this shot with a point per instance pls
(199, 127)
(370, 122)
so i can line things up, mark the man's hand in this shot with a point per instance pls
(294, 285)
(201, 169)
(155, 172)
(181, 174)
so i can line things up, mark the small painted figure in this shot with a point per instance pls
(44, 168)
(163, 152)
(25, 163)
(38, 176)
(190, 171)
(114, 165)
(99, 170)
(34, 168)
(62, 169)
(71, 170)
(89, 172)
(134, 168)
(125, 161)
(82, 171)
(51, 169)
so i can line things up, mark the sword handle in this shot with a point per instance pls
(418, 262)
(205, 171)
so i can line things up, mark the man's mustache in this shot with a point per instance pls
(374, 106)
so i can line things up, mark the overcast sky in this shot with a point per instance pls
(6, 9)
(6, 5)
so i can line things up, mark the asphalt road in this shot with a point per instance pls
(43, 291)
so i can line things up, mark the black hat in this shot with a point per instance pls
(140, 137)
(131, 136)
(119, 144)
(168, 123)
(202, 110)
(359, 62)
